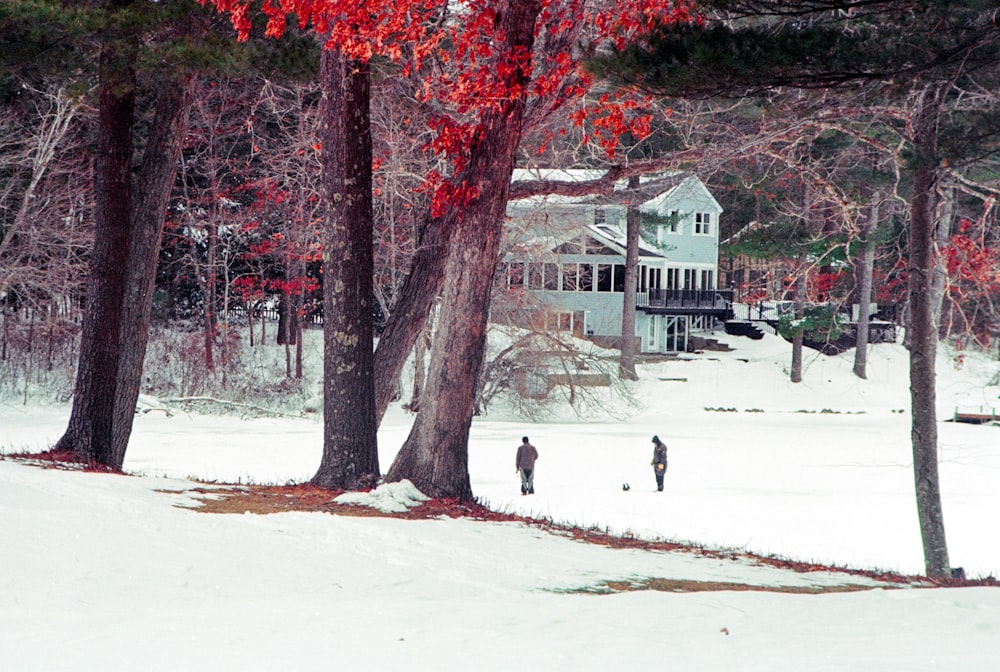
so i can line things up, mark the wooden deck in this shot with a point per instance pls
(686, 301)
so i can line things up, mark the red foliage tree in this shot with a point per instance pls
(494, 69)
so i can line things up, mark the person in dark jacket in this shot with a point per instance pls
(525, 465)
(659, 461)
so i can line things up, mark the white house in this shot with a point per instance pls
(566, 257)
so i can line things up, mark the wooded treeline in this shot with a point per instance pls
(168, 162)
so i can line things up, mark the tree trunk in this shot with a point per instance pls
(89, 432)
(923, 337)
(283, 336)
(419, 368)
(350, 450)
(412, 311)
(208, 310)
(939, 281)
(626, 364)
(800, 299)
(435, 455)
(156, 179)
(865, 268)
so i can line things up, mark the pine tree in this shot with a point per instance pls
(915, 52)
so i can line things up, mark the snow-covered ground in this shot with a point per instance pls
(107, 572)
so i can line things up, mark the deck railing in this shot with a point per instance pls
(702, 299)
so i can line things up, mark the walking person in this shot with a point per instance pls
(659, 462)
(525, 465)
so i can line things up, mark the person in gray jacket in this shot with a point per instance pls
(525, 465)
(659, 462)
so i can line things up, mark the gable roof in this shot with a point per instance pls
(614, 237)
(659, 187)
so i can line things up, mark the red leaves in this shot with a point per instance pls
(453, 196)
(971, 263)
(473, 73)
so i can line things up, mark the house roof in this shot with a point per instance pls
(614, 237)
(659, 187)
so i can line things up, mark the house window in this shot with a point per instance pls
(673, 278)
(536, 272)
(703, 223)
(515, 275)
(569, 272)
(564, 322)
(551, 278)
(655, 278)
(604, 277)
(675, 218)
(689, 278)
(619, 282)
(600, 217)
(585, 279)
(707, 280)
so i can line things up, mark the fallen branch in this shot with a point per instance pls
(234, 404)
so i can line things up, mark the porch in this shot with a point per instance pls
(718, 302)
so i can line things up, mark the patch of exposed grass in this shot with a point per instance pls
(693, 586)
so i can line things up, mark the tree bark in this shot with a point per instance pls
(350, 450)
(626, 364)
(89, 432)
(211, 280)
(156, 179)
(800, 299)
(865, 268)
(923, 337)
(435, 455)
(939, 281)
(412, 311)
(419, 367)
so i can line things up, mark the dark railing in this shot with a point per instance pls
(701, 299)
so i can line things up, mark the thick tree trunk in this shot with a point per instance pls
(865, 268)
(156, 179)
(350, 450)
(923, 337)
(435, 455)
(89, 432)
(626, 364)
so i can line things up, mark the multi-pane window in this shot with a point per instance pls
(703, 222)
(619, 280)
(655, 278)
(707, 280)
(675, 218)
(611, 277)
(577, 277)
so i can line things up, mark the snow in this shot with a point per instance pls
(387, 498)
(120, 573)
